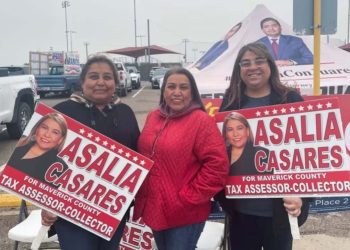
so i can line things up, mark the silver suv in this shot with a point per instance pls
(157, 78)
(152, 71)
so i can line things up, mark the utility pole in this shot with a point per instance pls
(71, 39)
(149, 43)
(348, 41)
(135, 23)
(65, 5)
(86, 50)
(185, 41)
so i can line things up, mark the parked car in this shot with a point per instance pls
(124, 85)
(152, 71)
(157, 76)
(135, 77)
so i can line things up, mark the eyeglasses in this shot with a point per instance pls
(249, 63)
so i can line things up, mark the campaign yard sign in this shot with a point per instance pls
(304, 151)
(91, 182)
(136, 235)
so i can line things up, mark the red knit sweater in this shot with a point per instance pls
(190, 167)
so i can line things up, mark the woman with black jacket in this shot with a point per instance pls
(259, 223)
(99, 109)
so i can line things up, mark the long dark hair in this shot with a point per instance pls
(196, 98)
(234, 92)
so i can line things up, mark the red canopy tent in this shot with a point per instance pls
(136, 52)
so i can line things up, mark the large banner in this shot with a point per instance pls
(57, 57)
(75, 172)
(295, 149)
(213, 69)
(71, 63)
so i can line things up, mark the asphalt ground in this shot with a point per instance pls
(329, 231)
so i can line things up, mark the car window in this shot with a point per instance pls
(12, 71)
(134, 69)
(159, 72)
(119, 66)
(57, 70)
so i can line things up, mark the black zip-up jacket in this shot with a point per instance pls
(116, 121)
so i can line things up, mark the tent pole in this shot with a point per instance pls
(317, 50)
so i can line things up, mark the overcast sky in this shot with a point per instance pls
(38, 25)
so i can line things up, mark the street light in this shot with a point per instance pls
(71, 40)
(65, 5)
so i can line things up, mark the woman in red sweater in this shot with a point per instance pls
(190, 164)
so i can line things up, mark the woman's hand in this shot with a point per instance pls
(293, 205)
(47, 218)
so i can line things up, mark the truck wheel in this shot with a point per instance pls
(68, 92)
(129, 89)
(122, 92)
(24, 112)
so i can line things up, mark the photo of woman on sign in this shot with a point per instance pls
(37, 151)
(240, 149)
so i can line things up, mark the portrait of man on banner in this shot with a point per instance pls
(287, 50)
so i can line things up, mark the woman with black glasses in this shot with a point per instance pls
(259, 223)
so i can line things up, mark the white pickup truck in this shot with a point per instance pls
(17, 100)
(124, 85)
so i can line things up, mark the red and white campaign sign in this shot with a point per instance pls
(297, 149)
(90, 181)
(136, 235)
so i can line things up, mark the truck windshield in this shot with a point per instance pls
(57, 71)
